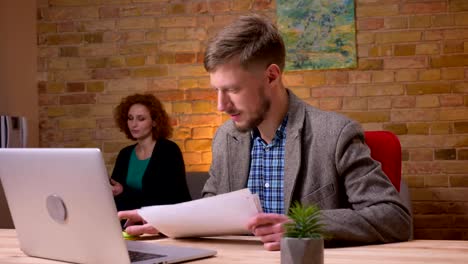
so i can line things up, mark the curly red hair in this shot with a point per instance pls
(163, 128)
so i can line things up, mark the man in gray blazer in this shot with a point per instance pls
(285, 150)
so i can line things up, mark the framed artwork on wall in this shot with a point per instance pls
(318, 34)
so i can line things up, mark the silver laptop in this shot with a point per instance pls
(62, 208)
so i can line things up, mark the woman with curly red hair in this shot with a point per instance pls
(152, 171)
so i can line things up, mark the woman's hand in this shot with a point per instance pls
(117, 188)
(135, 224)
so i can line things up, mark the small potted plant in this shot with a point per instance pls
(302, 242)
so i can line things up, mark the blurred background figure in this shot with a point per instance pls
(152, 171)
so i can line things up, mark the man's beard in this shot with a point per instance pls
(257, 119)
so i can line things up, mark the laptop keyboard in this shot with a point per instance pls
(141, 256)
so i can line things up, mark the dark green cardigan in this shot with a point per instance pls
(163, 181)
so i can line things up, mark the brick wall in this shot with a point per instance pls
(411, 79)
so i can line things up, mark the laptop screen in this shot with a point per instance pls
(62, 206)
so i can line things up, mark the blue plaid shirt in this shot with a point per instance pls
(266, 176)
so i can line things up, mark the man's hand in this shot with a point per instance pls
(269, 227)
(135, 224)
(117, 188)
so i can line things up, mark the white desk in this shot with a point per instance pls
(249, 250)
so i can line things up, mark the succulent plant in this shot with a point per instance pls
(305, 222)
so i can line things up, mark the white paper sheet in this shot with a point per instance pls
(224, 214)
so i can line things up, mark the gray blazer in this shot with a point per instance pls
(326, 163)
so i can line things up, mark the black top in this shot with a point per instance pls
(163, 181)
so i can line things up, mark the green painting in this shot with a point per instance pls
(318, 34)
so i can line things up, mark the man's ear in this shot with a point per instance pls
(273, 72)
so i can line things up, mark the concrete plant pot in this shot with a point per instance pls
(301, 250)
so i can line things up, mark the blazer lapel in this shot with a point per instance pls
(239, 159)
(292, 163)
(293, 156)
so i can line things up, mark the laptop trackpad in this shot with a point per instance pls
(167, 253)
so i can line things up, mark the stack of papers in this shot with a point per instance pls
(224, 214)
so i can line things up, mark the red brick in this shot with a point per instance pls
(457, 207)
(404, 102)
(379, 90)
(415, 115)
(170, 95)
(445, 154)
(454, 114)
(202, 132)
(460, 87)
(64, 39)
(415, 181)
(427, 88)
(155, 71)
(330, 104)
(397, 128)
(462, 155)
(47, 99)
(110, 73)
(432, 221)
(312, 79)
(383, 76)
(396, 22)
(456, 33)
(377, 10)
(202, 94)
(163, 84)
(421, 208)
(359, 77)
(418, 129)
(263, 4)
(453, 73)
(199, 7)
(420, 21)
(429, 75)
(218, 6)
(461, 127)
(333, 91)
(460, 221)
(365, 38)
(185, 58)
(440, 234)
(441, 128)
(93, 37)
(109, 12)
(75, 87)
(397, 36)
(427, 101)
(433, 35)
(293, 79)
(376, 64)
(453, 46)
(421, 167)
(421, 154)
(458, 5)
(381, 50)
(405, 50)
(354, 103)
(451, 100)
(406, 75)
(405, 63)
(419, 8)
(369, 117)
(200, 120)
(336, 77)
(442, 20)
(78, 99)
(370, 23)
